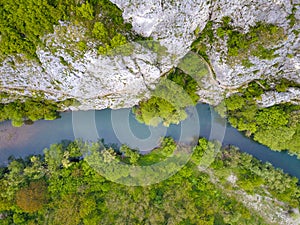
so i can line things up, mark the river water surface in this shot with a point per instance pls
(32, 139)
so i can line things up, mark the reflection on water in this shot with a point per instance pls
(12, 138)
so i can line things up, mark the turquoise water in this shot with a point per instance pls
(120, 126)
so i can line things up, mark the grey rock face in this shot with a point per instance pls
(171, 22)
(273, 97)
(96, 81)
(245, 14)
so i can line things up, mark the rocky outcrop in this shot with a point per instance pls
(245, 14)
(271, 98)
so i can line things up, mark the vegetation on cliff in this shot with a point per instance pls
(240, 46)
(24, 23)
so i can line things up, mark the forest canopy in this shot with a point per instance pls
(63, 188)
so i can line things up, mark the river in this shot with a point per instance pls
(108, 124)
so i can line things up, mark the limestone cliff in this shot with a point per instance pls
(117, 81)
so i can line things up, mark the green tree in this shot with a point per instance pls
(272, 117)
(133, 155)
(54, 157)
(235, 102)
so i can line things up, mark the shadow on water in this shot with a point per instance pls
(32, 139)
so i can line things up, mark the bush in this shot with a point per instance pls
(100, 32)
